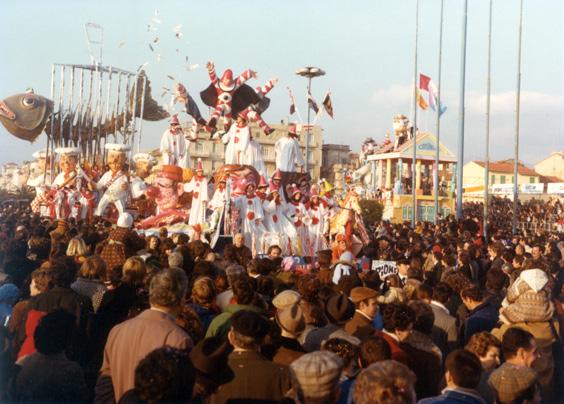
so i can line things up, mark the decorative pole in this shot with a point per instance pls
(414, 135)
(460, 163)
(488, 104)
(517, 115)
(438, 144)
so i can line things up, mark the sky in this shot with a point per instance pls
(366, 48)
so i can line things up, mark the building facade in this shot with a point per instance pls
(336, 159)
(500, 172)
(552, 166)
(212, 152)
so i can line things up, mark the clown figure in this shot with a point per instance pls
(301, 220)
(173, 145)
(217, 203)
(198, 185)
(281, 231)
(288, 153)
(225, 89)
(114, 184)
(237, 140)
(319, 227)
(252, 216)
(166, 193)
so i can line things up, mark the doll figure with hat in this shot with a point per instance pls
(251, 214)
(114, 184)
(69, 195)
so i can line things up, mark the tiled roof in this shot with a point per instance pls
(507, 167)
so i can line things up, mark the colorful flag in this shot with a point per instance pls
(433, 98)
(424, 82)
(312, 103)
(421, 101)
(292, 102)
(328, 104)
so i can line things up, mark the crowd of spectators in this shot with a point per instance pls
(99, 313)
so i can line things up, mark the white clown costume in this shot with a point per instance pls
(252, 216)
(288, 153)
(113, 184)
(198, 185)
(173, 145)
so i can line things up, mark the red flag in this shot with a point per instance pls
(424, 82)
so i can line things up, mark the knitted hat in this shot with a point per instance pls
(250, 324)
(317, 374)
(286, 299)
(346, 258)
(339, 309)
(291, 319)
(208, 355)
(361, 293)
(509, 381)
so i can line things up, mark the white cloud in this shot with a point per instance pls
(504, 103)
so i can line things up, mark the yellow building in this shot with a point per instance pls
(213, 153)
(552, 166)
(501, 172)
(392, 174)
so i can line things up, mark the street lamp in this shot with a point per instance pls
(310, 72)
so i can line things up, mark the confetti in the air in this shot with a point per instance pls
(151, 47)
(156, 40)
(177, 31)
(170, 77)
(159, 58)
(192, 67)
(120, 45)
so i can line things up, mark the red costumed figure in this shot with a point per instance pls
(228, 96)
(255, 110)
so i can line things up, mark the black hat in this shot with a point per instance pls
(339, 309)
(250, 324)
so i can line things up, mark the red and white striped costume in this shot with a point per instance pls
(223, 106)
(254, 113)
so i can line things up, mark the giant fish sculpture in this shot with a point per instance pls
(25, 115)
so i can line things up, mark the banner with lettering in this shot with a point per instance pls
(384, 268)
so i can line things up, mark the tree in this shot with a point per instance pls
(371, 211)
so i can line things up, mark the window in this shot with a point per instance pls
(502, 179)
(531, 180)
(264, 151)
(493, 179)
(199, 147)
(406, 212)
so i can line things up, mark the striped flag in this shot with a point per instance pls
(312, 103)
(292, 102)
(328, 104)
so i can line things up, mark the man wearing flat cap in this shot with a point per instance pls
(255, 377)
(366, 308)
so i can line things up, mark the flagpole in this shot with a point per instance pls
(517, 113)
(436, 174)
(307, 133)
(460, 163)
(414, 137)
(488, 104)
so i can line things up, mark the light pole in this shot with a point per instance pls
(310, 72)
